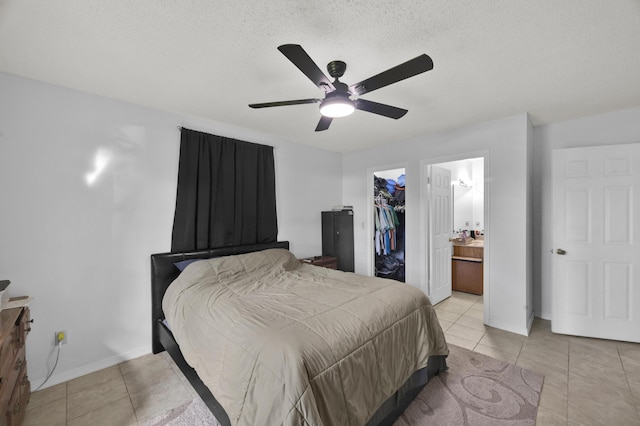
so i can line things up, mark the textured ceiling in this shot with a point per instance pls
(556, 60)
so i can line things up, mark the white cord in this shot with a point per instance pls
(53, 369)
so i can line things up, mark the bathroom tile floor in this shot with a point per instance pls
(587, 381)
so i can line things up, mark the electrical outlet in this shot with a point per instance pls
(60, 335)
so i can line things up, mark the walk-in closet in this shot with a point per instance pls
(389, 224)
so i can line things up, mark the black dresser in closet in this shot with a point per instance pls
(337, 237)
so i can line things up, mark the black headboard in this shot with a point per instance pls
(163, 272)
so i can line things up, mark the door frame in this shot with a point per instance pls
(370, 221)
(425, 192)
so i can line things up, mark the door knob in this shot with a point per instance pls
(561, 252)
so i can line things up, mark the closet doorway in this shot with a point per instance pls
(455, 256)
(389, 224)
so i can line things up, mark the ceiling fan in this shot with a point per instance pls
(337, 100)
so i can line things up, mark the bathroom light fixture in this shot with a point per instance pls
(337, 106)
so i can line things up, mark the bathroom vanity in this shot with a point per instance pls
(466, 266)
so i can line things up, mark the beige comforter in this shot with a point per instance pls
(281, 342)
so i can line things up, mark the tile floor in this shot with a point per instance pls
(122, 395)
(587, 381)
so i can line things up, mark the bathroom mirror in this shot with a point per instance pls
(462, 207)
(467, 193)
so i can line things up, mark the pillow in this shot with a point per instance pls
(184, 263)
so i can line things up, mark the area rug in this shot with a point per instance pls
(477, 390)
(193, 413)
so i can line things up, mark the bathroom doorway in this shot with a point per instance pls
(464, 268)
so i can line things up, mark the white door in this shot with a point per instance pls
(596, 253)
(440, 228)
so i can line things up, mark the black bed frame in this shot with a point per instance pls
(163, 272)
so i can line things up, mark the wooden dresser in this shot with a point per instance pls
(324, 261)
(15, 387)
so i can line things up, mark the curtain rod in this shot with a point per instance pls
(255, 143)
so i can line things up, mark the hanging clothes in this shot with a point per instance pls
(386, 221)
(389, 207)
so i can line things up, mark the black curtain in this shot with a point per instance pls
(226, 193)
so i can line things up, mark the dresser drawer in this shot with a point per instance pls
(15, 387)
(17, 406)
(21, 329)
(6, 362)
(10, 375)
(5, 380)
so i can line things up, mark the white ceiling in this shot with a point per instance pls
(555, 59)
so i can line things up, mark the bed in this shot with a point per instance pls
(309, 363)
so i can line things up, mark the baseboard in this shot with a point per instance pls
(524, 331)
(90, 368)
(530, 322)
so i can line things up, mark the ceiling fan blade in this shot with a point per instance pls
(285, 103)
(324, 123)
(296, 54)
(408, 69)
(380, 109)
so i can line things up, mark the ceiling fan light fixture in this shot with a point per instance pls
(336, 102)
(337, 107)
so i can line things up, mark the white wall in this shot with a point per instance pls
(606, 129)
(82, 251)
(503, 143)
(477, 177)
